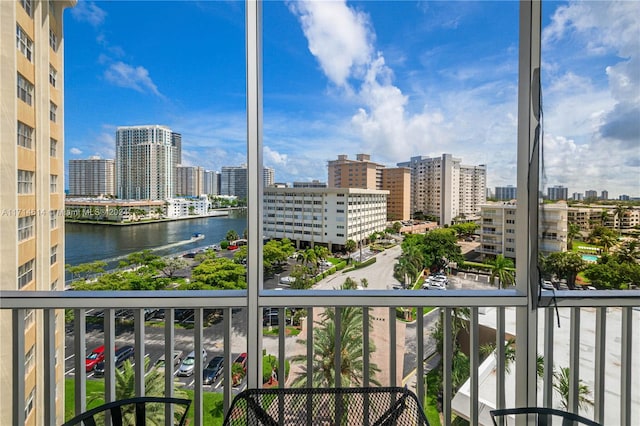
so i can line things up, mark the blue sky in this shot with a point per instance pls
(392, 79)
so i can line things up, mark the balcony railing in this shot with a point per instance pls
(595, 340)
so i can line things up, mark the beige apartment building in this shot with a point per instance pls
(190, 181)
(364, 173)
(32, 197)
(498, 229)
(587, 217)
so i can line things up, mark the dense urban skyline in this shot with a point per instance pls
(396, 79)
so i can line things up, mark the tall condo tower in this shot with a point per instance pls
(145, 162)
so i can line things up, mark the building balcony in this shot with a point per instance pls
(594, 338)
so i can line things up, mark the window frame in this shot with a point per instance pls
(25, 181)
(53, 76)
(24, 134)
(26, 225)
(53, 112)
(53, 147)
(25, 273)
(53, 258)
(53, 184)
(24, 43)
(25, 90)
(53, 40)
(27, 6)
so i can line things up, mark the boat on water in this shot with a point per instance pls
(197, 236)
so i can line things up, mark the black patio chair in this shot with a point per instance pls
(118, 418)
(388, 406)
(543, 416)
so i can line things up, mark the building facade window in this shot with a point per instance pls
(53, 112)
(54, 287)
(25, 182)
(54, 254)
(29, 359)
(29, 318)
(25, 135)
(25, 273)
(53, 187)
(53, 76)
(25, 227)
(26, 5)
(28, 403)
(53, 147)
(25, 90)
(23, 43)
(53, 40)
(54, 219)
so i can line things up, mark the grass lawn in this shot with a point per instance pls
(211, 403)
(289, 331)
(431, 399)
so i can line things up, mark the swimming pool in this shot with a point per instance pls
(589, 257)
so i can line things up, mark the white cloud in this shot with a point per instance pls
(339, 37)
(87, 11)
(75, 151)
(132, 77)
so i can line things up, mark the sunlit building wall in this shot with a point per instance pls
(32, 192)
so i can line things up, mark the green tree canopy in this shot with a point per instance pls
(438, 247)
(565, 265)
(219, 274)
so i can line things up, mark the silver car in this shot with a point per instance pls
(189, 364)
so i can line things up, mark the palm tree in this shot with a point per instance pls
(309, 257)
(572, 232)
(350, 247)
(561, 385)
(232, 235)
(322, 253)
(628, 252)
(619, 212)
(604, 217)
(153, 386)
(405, 270)
(607, 241)
(502, 268)
(352, 366)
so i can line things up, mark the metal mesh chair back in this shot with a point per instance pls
(132, 411)
(332, 406)
(541, 416)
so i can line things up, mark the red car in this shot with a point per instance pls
(242, 360)
(96, 356)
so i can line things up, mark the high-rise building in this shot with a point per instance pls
(591, 194)
(32, 198)
(358, 173)
(269, 176)
(211, 182)
(604, 195)
(506, 193)
(92, 177)
(233, 180)
(397, 181)
(190, 181)
(145, 162)
(445, 188)
(558, 192)
(176, 142)
(577, 196)
(364, 173)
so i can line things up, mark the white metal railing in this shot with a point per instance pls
(492, 309)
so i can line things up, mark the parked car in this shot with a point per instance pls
(440, 279)
(242, 360)
(213, 370)
(177, 359)
(96, 356)
(121, 355)
(189, 363)
(287, 280)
